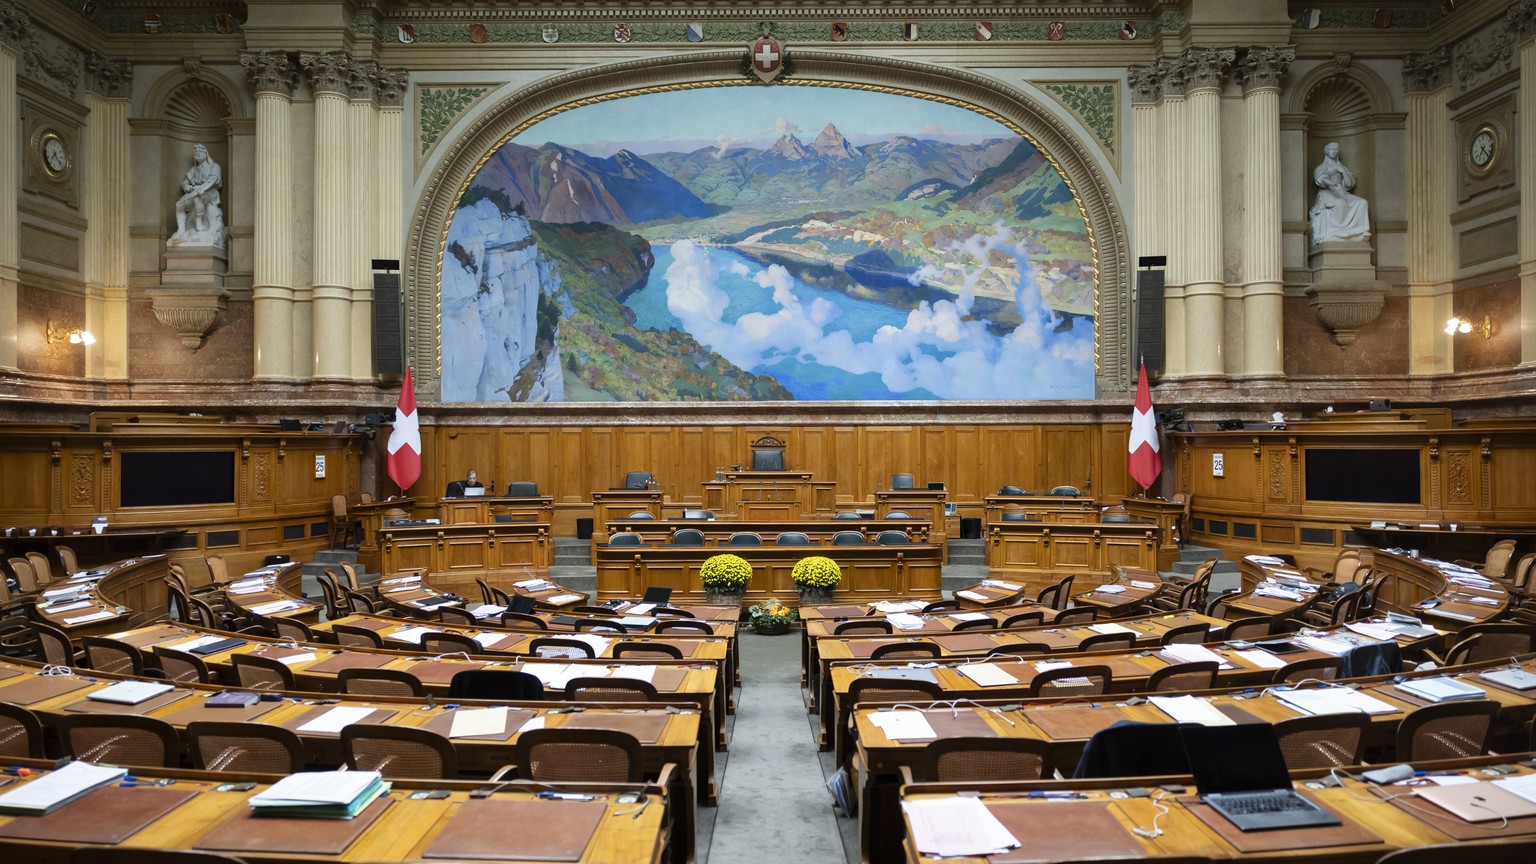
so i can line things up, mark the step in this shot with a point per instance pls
(1196, 554)
(582, 579)
(336, 556)
(957, 576)
(570, 551)
(1186, 568)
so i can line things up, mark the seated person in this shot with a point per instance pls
(456, 488)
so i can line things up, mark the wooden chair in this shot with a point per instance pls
(218, 570)
(450, 643)
(1055, 597)
(379, 682)
(1447, 730)
(354, 579)
(683, 626)
(607, 624)
(1024, 619)
(399, 752)
(1496, 640)
(975, 624)
(130, 855)
(892, 690)
(647, 651)
(244, 747)
(67, 559)
(26, 579)
(1496, 563)
(1249, 629)
(119, 739)
(41, 569)
(941, 606)
(863, 628)
(292, 628)
(1108, 642)
(557, 642)
(1050, 684)
(522, 619)
(1183, 677)
(564, 755)
(358, 603)
(1075, 615)
(610, 690)
(1343, 569)
(1316, 669)
(183, 667)
(1191, 634)
(1501, 851)
(907, 651)
(113, 656)
(1020, 649)
(671, 612)
(255, 672)
(330, 590)
(1323, 741)
(21, 733)
(975, 760)
(455, 615)
(352, 636)
(342, 525)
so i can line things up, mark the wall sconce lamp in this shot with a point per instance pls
(1465, 325)
(72, 335)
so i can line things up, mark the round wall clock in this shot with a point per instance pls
(54, 153)
(1483, 150)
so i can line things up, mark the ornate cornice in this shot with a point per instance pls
(362, 80)
(1146, 83)
(1207, 68)
(1427, 71)
(111, 77)
(391, 87)
(270, 72)
(1263, 68)
(327, 73)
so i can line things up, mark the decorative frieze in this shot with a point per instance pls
(327, 73)
(1263, 68)
(1427, 71)
(54, 64)
(270, 72)
(110, 77)
(15, 27)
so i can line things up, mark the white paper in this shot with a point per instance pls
(401, 580)
(317, 787)
(485, 610)
(998, 583)
(1261, 659)
(295, 659)
(1110, 627)
(70, 607)
(196, 643)
(71, 781)
(274, 607)
(1143, 584)
(1281, 593)
(903, 621)
(1333, 700)
(1264, 559)
(955, 827)
(94, 616)
(1190, 709)
(890, 606)
(1183, 652)
(986, 674)
(640, 608)
(253, 589)
(412, 634)
(968, 616)
(242, 586)
(638, 622)
(334, 720)
(489, 640)
(528, 583)
(972, 595)
(402, 589)
(1380, 632)
(553, 675)
(423, 604)
(1048, 665)
(1336, 647)
(636, 671)
(1110, 589)
(531, 724)
(60, 592)
(599, 643)
(1523, 785)
(903, 725)
(562, 599)
(477, 721)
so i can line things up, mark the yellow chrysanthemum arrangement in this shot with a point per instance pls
(771, 613)
(816, 571)
(725, 573)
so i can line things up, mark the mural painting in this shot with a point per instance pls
(767, 243)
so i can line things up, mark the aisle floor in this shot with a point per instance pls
(774, 802)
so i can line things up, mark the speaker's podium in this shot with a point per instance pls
(770, 496)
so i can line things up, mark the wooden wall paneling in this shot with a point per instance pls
(1007, 455)
(1278, 478)
(570, 472)
(602, 468)
(889, 450)
(1116, 551)
(1067, 457)
(965, 456)
(842, 462)
(82, 482)
(26, 490)
(1072, 552)
(1509, 460)
(1110, 481)
(522, 453)
(936, 453)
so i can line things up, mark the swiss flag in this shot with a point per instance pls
(1144, 460)
(404, 462)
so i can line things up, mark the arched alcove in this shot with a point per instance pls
(460, 160)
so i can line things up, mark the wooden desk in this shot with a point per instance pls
(770, 496)
(1138, 586)
(911, 570)
(481, 509)
(618, 504)
(1410, 583)
(924, 504)
(470, 551)
(92, 549)
(1165, 515)
(370, 518)
(132, 590)
(1042, 553)
(282, 583)
(819, 531)
(403, 830)
(1041, 508)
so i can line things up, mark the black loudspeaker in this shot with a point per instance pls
(388, 344)
(1149, 321)
(1380, 405)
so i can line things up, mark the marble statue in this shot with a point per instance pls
(199, 220)
(1337, 214)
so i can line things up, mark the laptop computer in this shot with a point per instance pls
(1241, 774)
(657, 594)
(521, 604)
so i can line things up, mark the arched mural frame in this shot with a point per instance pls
(1071, 156)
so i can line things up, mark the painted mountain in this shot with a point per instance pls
(558, 184)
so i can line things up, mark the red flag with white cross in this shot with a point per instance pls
(1144, 459)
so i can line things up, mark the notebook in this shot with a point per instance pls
(129, 692)
(1515, 679)
(1441, 689)
(657, 594)
(216, 647)
(1478, 802)
(521, 604)
(1241, 774)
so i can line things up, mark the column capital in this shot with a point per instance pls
(270, 72)
(1521, 19)
(1146, 83)
(1207, 68)
(1264, 67)
(1428, 70)
(327, 73)
(111, 77)
(1175, 75)
(15, 26)
(362, 80)
(392, 83)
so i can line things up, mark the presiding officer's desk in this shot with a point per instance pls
(819, 531)
(467, 550)
(1080, 820)
(786, 496)
(1067, 726)
(1040, 508)
(112, 596)
(909, 570)
(483, 509)
(171, 809)
(1040, 554)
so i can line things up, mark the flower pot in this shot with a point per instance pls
(773, 629)
(810, 596)
(723, 598)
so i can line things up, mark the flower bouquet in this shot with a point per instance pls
(725, 577)
(815, 576)
(771, 616)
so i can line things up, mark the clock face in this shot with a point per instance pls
(55, 156)
(1481, 150)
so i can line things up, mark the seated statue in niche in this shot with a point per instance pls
(199, 220)
(1337, 214)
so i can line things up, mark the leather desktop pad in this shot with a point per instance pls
(1449, 823)
(442, 724)
(967, 724)
(40, 688)
(1063, 831)
(1072, 723)
(349, 660)
(491, 829)
(110, 814)
(97, 706)
(379, 715)
(245, 832)
(202, 712)
(1348, 833)
(646, 728)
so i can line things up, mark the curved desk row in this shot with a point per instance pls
(106, 598)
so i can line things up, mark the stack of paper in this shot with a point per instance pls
(336, 719)
(1333, 700)
(469, 722)
(890, 606)
(533, 584)
(1523, 785)
(489, 640)
(955, 827)
(986, 674)
(275, 607)
(903, 725)
(560, 599)
(1110, 589)
(599, 643)
(1181, 652)
(1441, 688)
(413, 634)
(93, 616)
(903, 621)
(635, 671)
(57, 788)
(402, 580)
(968, 616)
(1111, 627)
(1264, 559)
(998, 583)
(1262, 659)
(641, 608)
(1143, 584)
(972, 595)
(1190, 709)
(636, 622)
(487, 610)
(320, 794)
(1338, 646)
(1267, 590)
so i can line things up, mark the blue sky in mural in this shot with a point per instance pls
(767, 243)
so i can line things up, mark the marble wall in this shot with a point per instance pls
(1380, 348)
(158, 355)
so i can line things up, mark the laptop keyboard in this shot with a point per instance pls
(1264, 802)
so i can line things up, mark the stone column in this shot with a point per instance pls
(1149, 238)
(1201, 217)
(272, 76)
(1174, 184)
(108, 171)
(1525, 118)
(332, 292)
(15, 29)
(1430, 177)
(1260, 73)
(363, 189)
